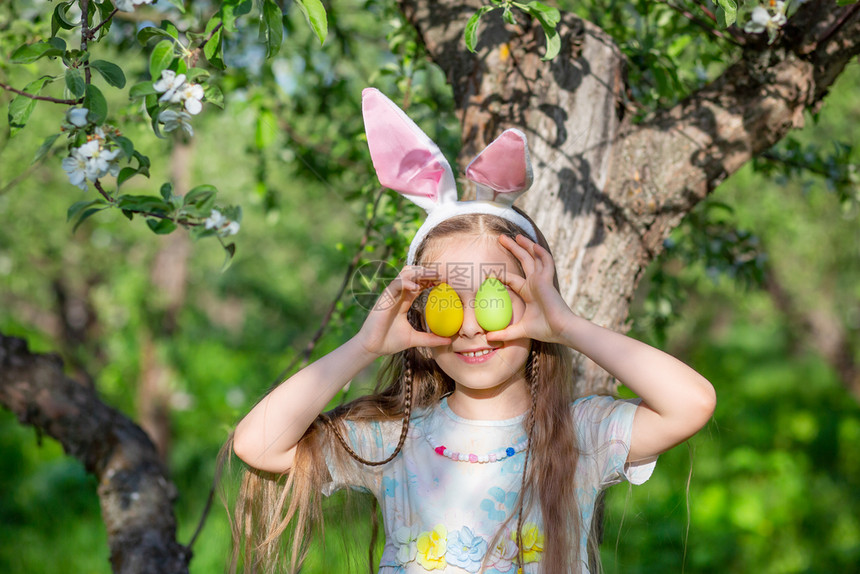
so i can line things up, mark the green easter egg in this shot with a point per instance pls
(444, 310)
(493, 308)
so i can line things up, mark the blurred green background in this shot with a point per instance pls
(775, 475)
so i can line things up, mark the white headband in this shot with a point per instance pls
(408, 161)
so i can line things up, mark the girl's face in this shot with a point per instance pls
(477, 365)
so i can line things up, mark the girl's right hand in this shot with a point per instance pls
(387, 330)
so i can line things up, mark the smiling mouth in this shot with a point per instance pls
(477, 353)
(478, 356)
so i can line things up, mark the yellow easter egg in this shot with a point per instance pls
(493, 309)
(444, 310)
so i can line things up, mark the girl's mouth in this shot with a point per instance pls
(477, 356)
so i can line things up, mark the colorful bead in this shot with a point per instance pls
(496, 456)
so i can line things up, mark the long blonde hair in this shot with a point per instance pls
(275, 516)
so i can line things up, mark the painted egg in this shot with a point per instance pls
(444, 310)
(493, 308)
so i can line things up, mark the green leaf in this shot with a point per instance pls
(212, 49)
(546, 14)
(105, 13)
(170, 28)
(727, 13)
(57, 43)
(142, 203)
(231, 10)
(266, 130)
(142, 89)
(200, 200)
(314, 12)
(45, 147)
(472, 27)
(75, 82)
(161, 226)
(125, 145)
(124, 175)
(60, 19)
(272, 27)
(166, 190)
(196, 75)
(160, 59)
(213, 95)
(21, 107)
(95, 102)
(845, 2)
(149, 32)
(112, 73)
(549, 18)
(143, 163)
(180, 5)
(79, 206)
(31, 52)
(86, 215)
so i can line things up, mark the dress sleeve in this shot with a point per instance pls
(604, 426)
(371, 441)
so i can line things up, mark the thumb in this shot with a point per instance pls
(509, 333)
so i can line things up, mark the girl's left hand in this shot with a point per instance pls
(546, 312)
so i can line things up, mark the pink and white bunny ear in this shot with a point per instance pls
(503, 170)
(405, 159)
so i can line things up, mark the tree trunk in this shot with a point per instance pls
(607, 192)
(135, 494)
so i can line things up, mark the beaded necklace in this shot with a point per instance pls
(494, 456)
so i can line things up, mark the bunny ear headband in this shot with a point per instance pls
(408, 161)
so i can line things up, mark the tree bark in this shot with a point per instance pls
(135, 494)
(608, 192)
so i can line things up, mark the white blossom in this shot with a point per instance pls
(169, 83)
(90, 162)
(191, 94)
(75, 167)
(215, 220)
(129, 5)
(77, 117)
(221, 224)
(174, 89)
(100, 161)
(770, 19)
(174, 120)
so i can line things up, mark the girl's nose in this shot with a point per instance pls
(470, 326)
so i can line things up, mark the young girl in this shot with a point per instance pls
(475, 449)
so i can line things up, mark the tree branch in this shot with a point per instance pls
(135, 493)
(9, 88)
(679, 155)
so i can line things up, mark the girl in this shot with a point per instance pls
(474, 447)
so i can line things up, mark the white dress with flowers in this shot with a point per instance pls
(441, 515)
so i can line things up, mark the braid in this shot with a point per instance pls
(407, 416)
(530, 424)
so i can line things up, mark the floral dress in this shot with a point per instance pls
(445, 497)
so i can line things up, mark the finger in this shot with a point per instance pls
(544, 263)
(523, 256)
(513, 281)
(423, 339)
(509, 333)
